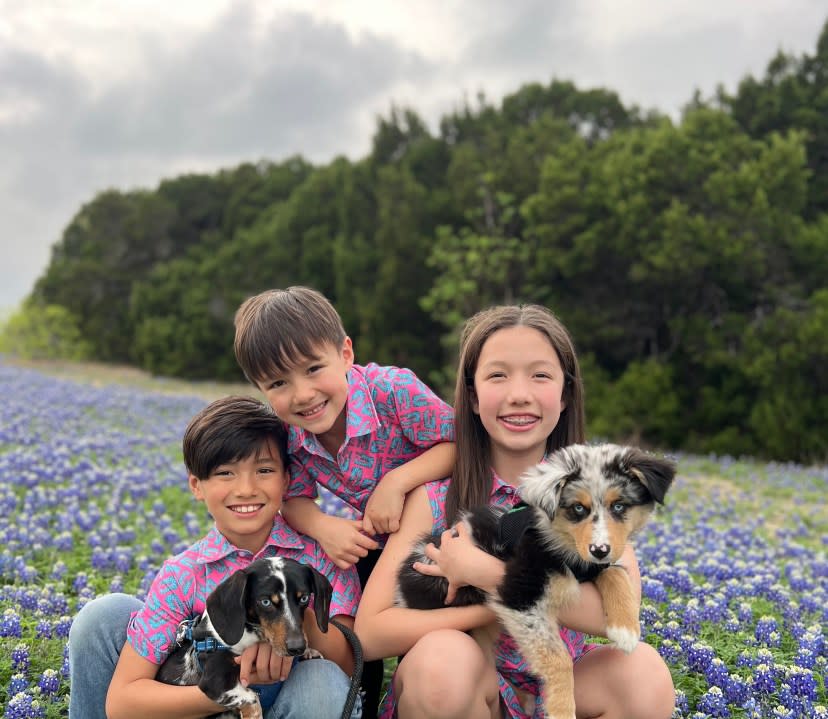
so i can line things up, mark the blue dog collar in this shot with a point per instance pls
(207, 644)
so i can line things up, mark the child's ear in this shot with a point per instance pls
(348, 352)
(195, 487)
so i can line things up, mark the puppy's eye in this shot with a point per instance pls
(303, 600)
(265, 602)
(618, 507)
(579, 510)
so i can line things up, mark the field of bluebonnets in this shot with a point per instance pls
(93, 498)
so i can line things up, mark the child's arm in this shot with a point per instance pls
(342, 539)
(134, 693)
(386, 630)
(384, 508)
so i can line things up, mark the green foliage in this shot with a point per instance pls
(687, 259)
(43, 332)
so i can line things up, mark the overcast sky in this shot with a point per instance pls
(98, 94)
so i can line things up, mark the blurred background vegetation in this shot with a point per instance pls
(688, 258)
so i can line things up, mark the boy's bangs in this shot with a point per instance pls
(279, 355)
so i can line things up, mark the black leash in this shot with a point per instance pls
(356, 677)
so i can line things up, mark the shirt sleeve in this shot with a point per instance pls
(151, 631)
(302, 479)
(344, 582)
(424, 418)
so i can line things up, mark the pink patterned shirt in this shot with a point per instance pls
(180, 588)
(512, 669)
(392, 417)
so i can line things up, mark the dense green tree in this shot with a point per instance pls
(43, 332)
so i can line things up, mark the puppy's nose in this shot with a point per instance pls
(599, 551)
(295, 646)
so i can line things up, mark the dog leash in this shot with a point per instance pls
(356, 677)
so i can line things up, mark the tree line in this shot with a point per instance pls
(688, 259)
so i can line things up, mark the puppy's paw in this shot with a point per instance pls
(250, 711)
(312, 654)
(624, 638)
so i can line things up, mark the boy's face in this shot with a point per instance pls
(244, 496)
(313, 393)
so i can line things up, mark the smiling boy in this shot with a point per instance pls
(235, 454)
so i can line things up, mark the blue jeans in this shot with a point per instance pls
(314, 689)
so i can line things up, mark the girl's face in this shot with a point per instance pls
(518, 387)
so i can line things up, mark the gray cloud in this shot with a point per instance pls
(243, 89)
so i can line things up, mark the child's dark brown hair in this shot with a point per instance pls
(278, 328)
(228, 430)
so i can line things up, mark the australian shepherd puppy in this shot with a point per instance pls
(580, 507)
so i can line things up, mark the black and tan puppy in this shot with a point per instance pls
(581, 507)
(265, 602)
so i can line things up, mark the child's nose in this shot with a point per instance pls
(304, 391)
(519, 391)
(246, 483)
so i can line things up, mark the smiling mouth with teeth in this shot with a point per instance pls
(522, 420)
(246, 508)
(313, 410)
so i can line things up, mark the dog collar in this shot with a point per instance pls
(205, 644)
(513, 525)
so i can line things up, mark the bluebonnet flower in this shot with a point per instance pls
(18, 683)
(699, 656)
(767, 631)
(10, 624)
(24, 706)
(20, 658)
(43, 630)
(49, 682)
(716, 673)
(764, 681)
(62, 625)
(713, 703)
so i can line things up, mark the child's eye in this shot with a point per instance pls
(496, 375)
(275, 384)
(314, 368)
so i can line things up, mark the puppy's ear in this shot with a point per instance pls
(542, 485)
(227, 607)
(655, 473)
(322, 592)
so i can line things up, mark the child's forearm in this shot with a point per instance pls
(435, 463)
(395, 630)
(303, 514)
(333, 644)
(147, 697)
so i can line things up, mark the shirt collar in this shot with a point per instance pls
(214, 546)
(360, 414)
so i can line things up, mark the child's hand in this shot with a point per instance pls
(344, 541)
(259, 664)
(455, 560)
(384, 508)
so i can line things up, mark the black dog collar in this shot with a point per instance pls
(513, 525)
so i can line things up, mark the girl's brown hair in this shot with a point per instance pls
(471, 480)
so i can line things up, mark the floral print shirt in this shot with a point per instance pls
(392, 417)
